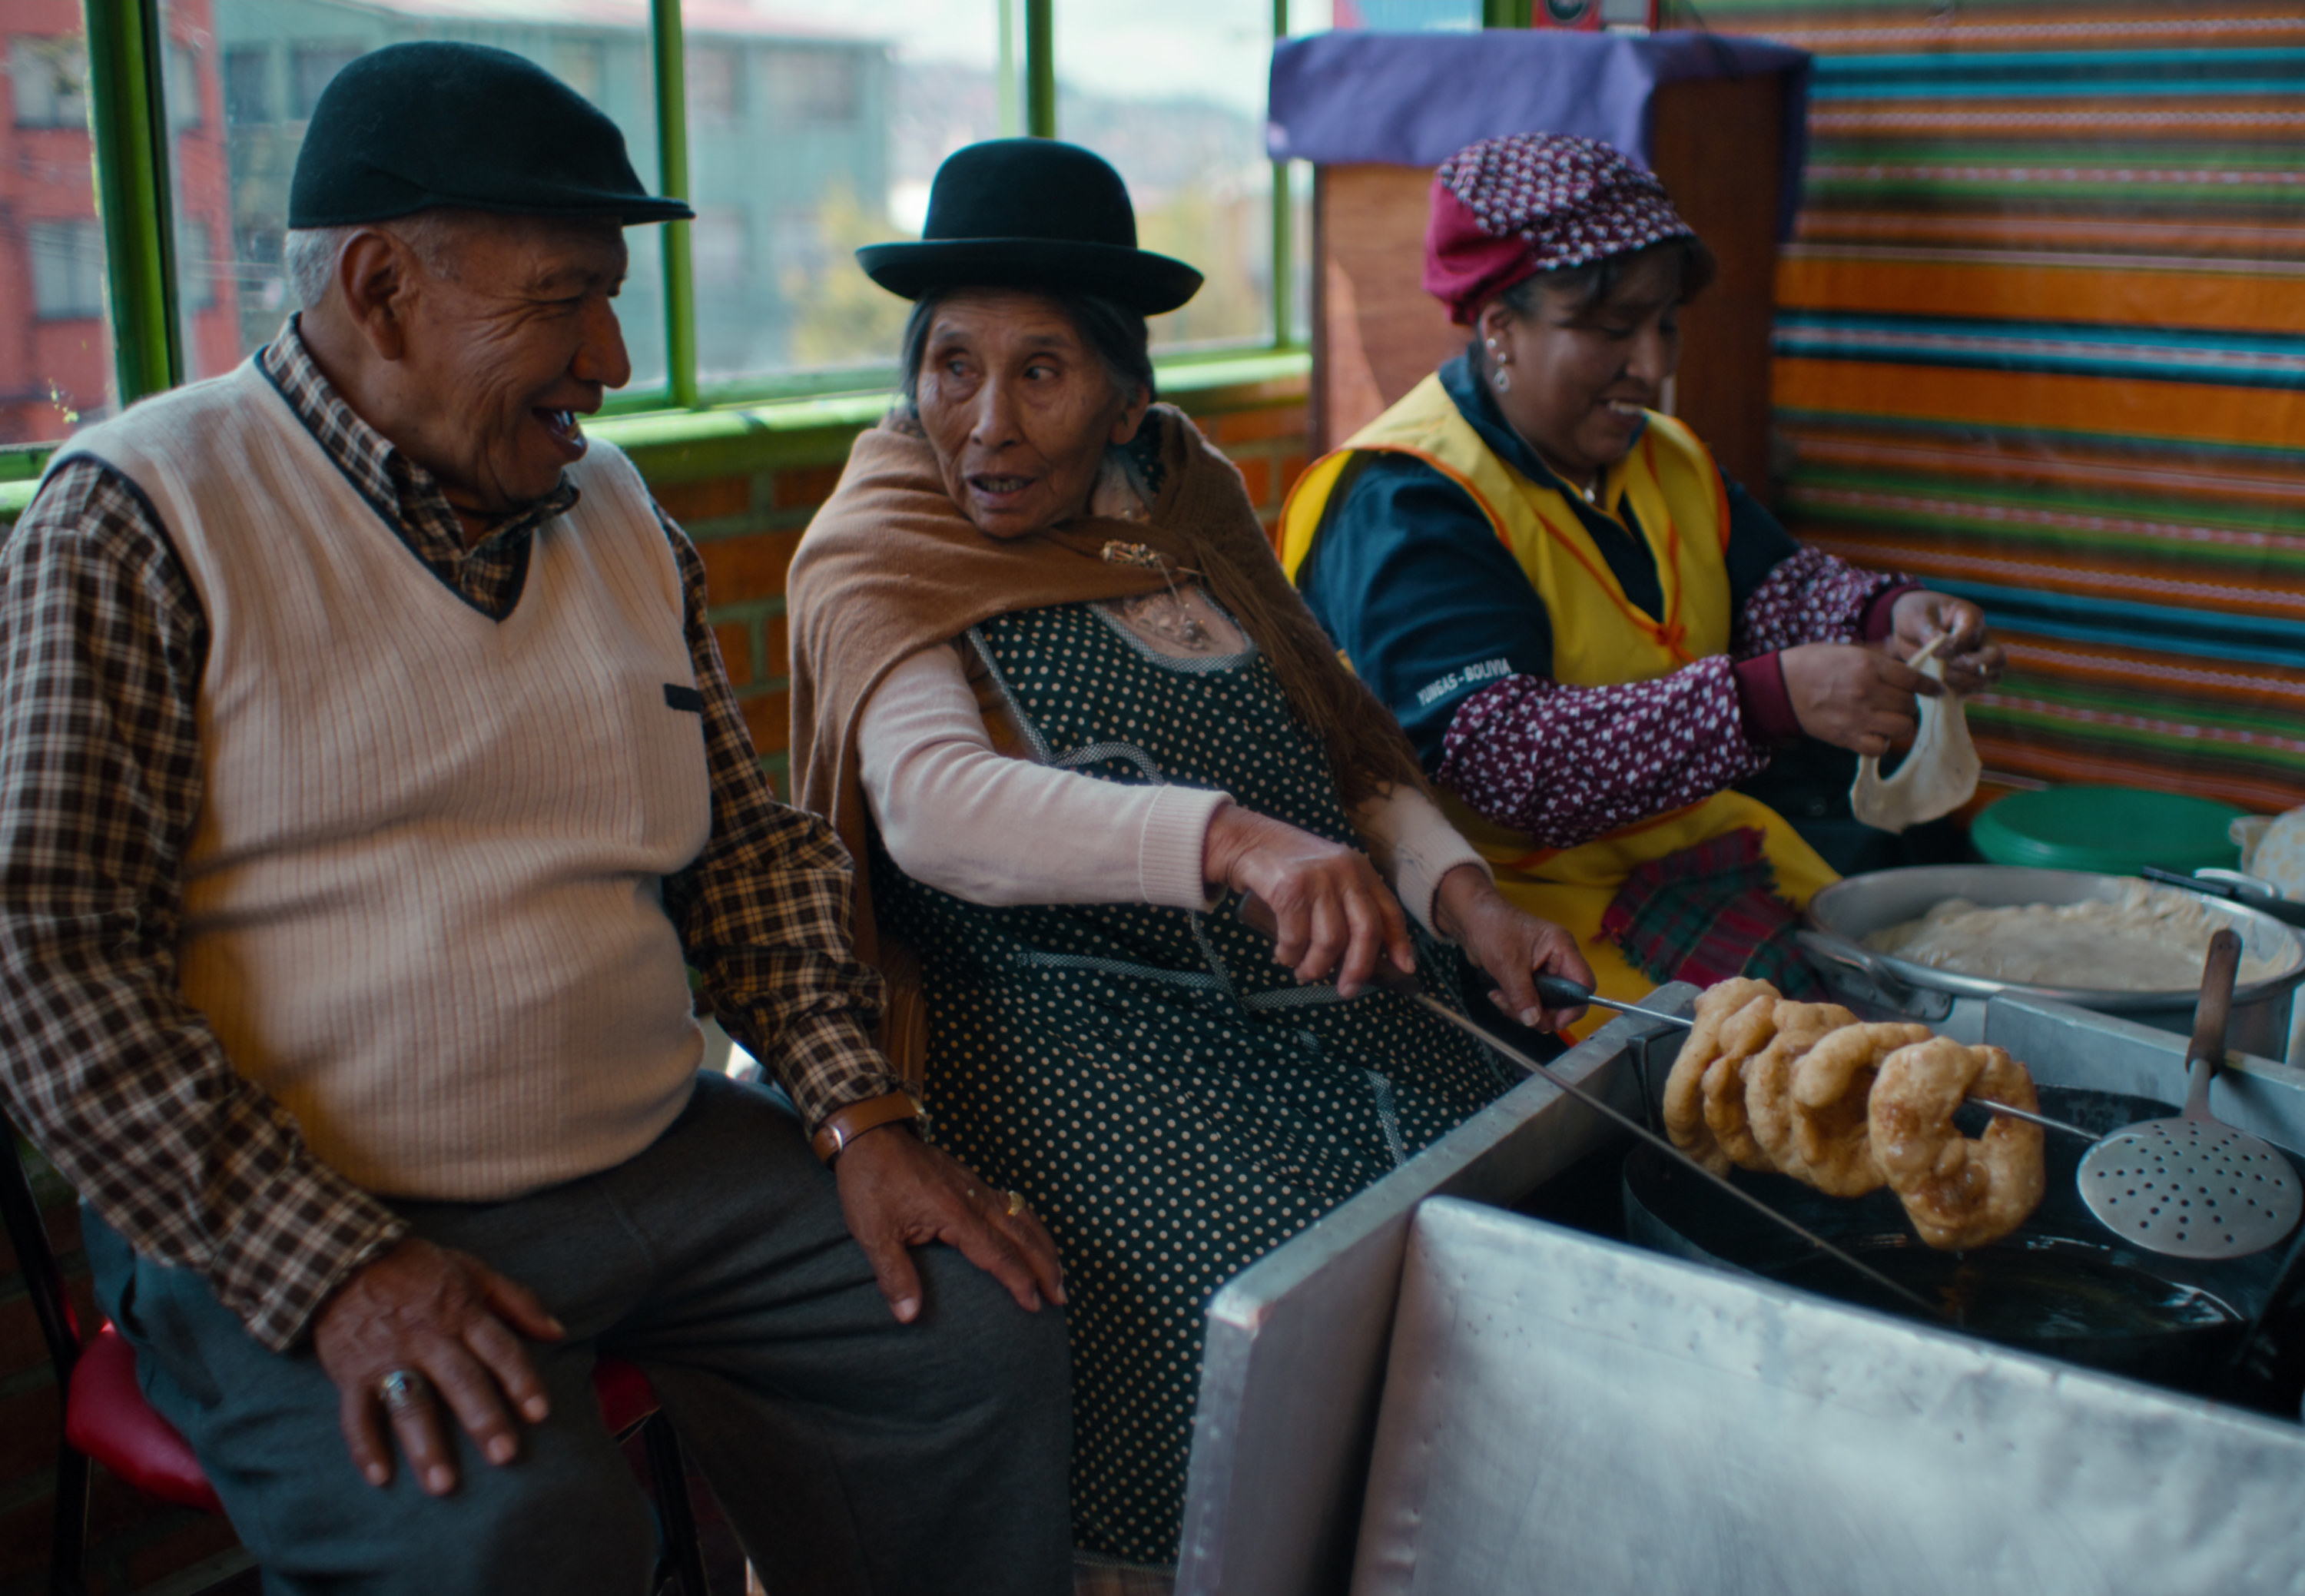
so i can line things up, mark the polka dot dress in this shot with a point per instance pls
(1163, 1094)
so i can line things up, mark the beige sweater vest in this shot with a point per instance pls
(423, 900)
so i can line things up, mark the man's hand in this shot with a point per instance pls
(1854, 696)
(449, 1320)
(1510, 943)
(1973, 662)
(899, 1193)
(1330, 909)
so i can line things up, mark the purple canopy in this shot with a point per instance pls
(1415, 100)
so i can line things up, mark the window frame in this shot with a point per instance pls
(126, 86)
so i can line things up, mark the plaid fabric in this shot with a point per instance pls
(102, 645)
(1707, 913)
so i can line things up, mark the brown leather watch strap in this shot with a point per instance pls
(845, 1125)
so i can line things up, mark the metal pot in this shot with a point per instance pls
(2058, 1252)
(1843, 914)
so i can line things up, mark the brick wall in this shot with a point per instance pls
(745, 507)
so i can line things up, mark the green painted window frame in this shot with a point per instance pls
(129, 122)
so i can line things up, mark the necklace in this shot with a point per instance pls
(1166, 614)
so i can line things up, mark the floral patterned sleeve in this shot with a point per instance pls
(1568, 764)
(1814, 597)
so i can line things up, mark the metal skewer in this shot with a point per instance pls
(1556, 991)
(2042, 1120)
(1659, 1142)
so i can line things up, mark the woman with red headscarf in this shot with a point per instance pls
(1589, 633)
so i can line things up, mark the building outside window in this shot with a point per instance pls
(807, 157)
(311, 69)
(196, 269)
(581, 63)
(186, 105)
(49, 77)
(1173, 95)
(716, 83)
(717, 246)
(55, 342)
(814, 127)
(814, 87)
(247, 85)
(212, 302)
(67, 268)
(276, 57)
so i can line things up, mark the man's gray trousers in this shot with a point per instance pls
(852, 1454)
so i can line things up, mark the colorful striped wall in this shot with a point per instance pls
(2042, 342)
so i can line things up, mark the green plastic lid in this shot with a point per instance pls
(2116, 831)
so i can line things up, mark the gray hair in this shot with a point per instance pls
(309, 255)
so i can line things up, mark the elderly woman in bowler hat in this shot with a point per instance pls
(1588, 632)
(1051, 685)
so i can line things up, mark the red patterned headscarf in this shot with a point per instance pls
(1506, 209)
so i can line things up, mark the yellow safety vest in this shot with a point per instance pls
(1599, 638)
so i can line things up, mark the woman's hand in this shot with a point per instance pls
(1854, 696)
(1973, 662)
(1510, 943)
(1330, 909)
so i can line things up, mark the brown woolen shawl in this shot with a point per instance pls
(890, 566)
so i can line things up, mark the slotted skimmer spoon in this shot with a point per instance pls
(2193, 1186)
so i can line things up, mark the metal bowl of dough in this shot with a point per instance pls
(1841, 916)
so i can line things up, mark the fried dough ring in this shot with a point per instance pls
(1743, 1034)
(1768, 1080)
(1959, 1192)
(1829, 1106)
(1684, 1105)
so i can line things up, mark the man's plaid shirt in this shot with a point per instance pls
(102, 645)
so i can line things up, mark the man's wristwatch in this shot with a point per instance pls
(845, 1125)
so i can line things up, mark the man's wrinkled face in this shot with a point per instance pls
(508, 348)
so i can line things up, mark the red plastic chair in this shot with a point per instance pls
(107, 1420)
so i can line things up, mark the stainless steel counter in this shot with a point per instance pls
(1564, 1413)
(1297, 1342)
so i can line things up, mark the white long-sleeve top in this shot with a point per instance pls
(959, 816)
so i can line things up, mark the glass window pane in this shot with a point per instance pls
(822, 124)
(252, 71)
(1173, 95)
(1405, 16)
(55, 344)
(1305, 16)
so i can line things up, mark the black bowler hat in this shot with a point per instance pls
(410, 126)
(1030, 213)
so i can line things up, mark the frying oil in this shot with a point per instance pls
(2021, 1291)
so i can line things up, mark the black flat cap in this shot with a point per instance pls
(410, 126)
(1030, 213)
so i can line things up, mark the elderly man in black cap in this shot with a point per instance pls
(369, 778)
